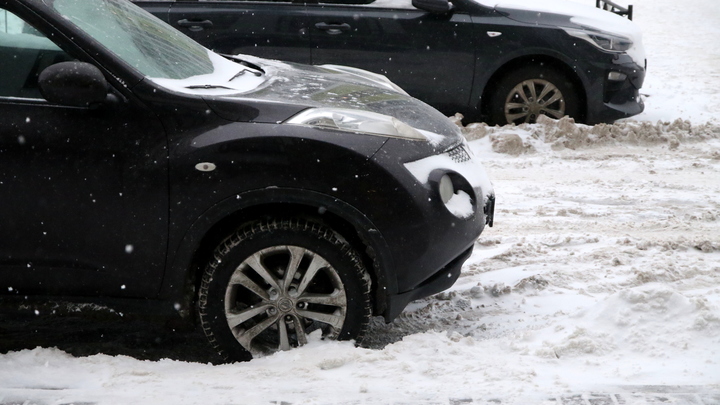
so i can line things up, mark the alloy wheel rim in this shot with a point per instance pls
(532, 98)
(279, 295)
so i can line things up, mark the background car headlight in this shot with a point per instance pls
(357, 121)
(602, 40)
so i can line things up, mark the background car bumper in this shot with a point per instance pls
(619, 98)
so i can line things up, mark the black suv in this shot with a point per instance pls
(501, 61)
(268, 200)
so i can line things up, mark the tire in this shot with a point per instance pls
(525, 93)
(273, 282)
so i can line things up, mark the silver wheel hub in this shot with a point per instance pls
(285, 305)
(279, 294)
(532, 98)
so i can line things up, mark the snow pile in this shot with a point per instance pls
(565, 133)
(653, 320)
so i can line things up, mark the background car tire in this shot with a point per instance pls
(516, 98)
(273, 282)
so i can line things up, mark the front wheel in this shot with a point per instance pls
(525, 94)
(274, 282)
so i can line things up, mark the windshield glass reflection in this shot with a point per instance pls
(144, 42)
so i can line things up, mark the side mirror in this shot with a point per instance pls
(76, 84)
(433, 6)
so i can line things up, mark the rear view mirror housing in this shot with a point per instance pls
(76, 84)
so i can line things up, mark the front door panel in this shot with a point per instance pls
(83, 191)
(84, 201)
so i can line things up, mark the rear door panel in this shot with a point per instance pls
(274, 30)
(431, 56)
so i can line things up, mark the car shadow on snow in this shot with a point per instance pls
(143, 339)
(88, 333)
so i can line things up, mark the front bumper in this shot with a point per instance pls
(435, 237)
(440, 281)
(617, 93)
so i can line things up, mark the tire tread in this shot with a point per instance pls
(251, 230)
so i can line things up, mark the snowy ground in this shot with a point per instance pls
(683, 51)
(598, 285)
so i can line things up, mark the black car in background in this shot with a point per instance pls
(494, 60)
(265, 200)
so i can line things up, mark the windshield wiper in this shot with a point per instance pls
(208, 86)
(257, 69)
(242, 72)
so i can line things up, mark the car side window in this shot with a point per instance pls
(24, 53)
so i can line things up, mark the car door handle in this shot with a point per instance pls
(195, 25)
(333, 29)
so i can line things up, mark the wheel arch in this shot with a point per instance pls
(195, 250)
(522, 61)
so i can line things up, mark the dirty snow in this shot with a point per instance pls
(598, 284)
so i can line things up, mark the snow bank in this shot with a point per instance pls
(565, 133)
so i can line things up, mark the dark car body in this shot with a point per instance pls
(452, 57)
(123, 198)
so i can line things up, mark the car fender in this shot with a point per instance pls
(246, 206)
(552, 47)
(486, 75)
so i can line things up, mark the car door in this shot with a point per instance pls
(268, 29)
(431, 56)
(83, 191)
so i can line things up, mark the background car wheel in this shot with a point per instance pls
(528, 92)
(274, 282)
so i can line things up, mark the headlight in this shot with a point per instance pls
(358, 121)
(602, 40)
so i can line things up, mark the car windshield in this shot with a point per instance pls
(155, 49)
(147, 44)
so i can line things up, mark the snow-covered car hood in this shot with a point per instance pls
(346, 88)
(561, 13)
